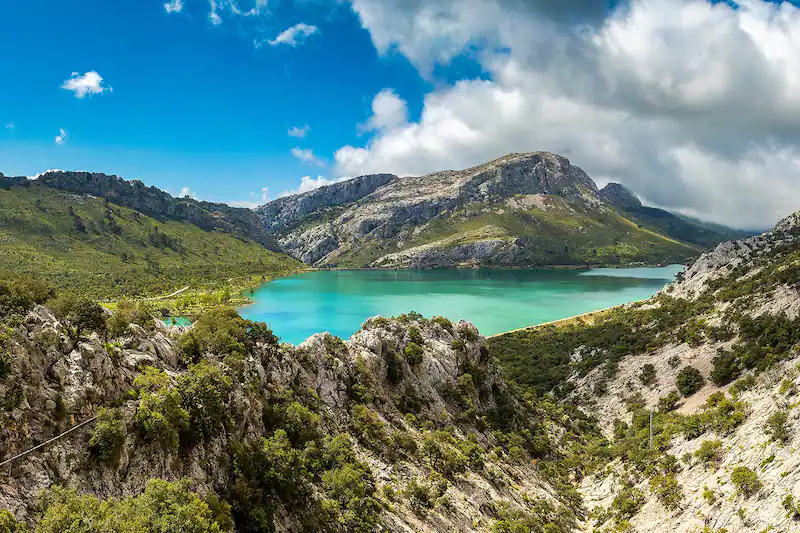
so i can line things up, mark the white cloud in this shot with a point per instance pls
(388, 111)
(88, 84)
(306, 155)
(174, 6)
(213, 16)
(694, 105)
(295, 35)
(61, 138)
(263, 198)
(11, 126)
(187, 192)
(307, 183)
(299, 133)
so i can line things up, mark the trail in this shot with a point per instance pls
(167, 296)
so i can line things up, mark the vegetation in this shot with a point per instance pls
(777, 427)
(8, 524)
(108, 434)
(746, 481)
(162, 508)
(102, 250)
(689, 381)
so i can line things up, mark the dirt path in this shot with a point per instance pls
(167, 296)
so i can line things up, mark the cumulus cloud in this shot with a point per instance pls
(254, 201)
(299, 133)
(88, 84)
(307, 183)
(694, 105)
(186, 192)
(61, 138)
(388, 111)
(295, 35)
(11, 126)
(174, 6)
(306, 155)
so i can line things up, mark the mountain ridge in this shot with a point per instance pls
(402, 221)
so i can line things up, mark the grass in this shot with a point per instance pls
(108, 252)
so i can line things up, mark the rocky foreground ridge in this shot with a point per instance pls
(405, 427)
(521, 209)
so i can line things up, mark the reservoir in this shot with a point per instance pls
(495, 300)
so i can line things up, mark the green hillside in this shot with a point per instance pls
(103, 250)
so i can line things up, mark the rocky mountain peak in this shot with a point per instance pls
(619, 196)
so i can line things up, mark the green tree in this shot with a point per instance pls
(108, 434)
(204, 393)
(689, 381)
(746, 481)
(159, 415)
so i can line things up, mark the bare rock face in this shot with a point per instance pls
(617, 195)
(335, 222)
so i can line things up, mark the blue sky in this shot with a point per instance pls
(692, 104)
(193, 104)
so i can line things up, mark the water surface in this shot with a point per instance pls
(494, 300)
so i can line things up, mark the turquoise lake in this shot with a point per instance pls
(494, 300)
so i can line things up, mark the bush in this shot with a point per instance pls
(129, 313)
(667, 490)
(709, 452)
(789, 503)
(689, 381)
(413, 353)
(420, 496)
(445, 323)
(80, 314)
(159, 415)
(746, 481)
(222, 331)
(368, 426)
(8, 524)
(669, 402)
(627, 503)
(648, 374)
(108, 434)
(162, 508)
(777, 427)
(204, 393)
(18, 295)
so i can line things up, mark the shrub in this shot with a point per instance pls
(204, 392)
(8, 524)
(789, 503)
(108, 434)
(648, 374)
(222, 331)
(6, 363)
(20, 295)
(368, 426)
(413, 353)
(467, 333)
(709, 452)
(667, 490)
(80, 314)
(777, 427)
(709, 495)
(420, 496)
(458, 345)
(669, 402)
(445, 323)
(129, 313)
(627, 503)
(159, 415)
(746, 481)
(689, 381)
(162, 508)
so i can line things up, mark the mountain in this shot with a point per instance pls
(59, 227)
(713, 359)
(684, 229)
(520, 210)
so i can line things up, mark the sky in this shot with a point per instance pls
(692, 104)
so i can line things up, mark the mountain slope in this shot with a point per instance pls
(522, 209)
(715, 359)
(104, 250)
(684, 229)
